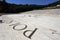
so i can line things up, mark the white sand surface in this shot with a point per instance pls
(47, 23)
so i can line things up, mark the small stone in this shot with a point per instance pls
(1, 21)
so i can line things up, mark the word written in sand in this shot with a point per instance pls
(25, 27)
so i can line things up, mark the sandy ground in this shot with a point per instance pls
(47, 23)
